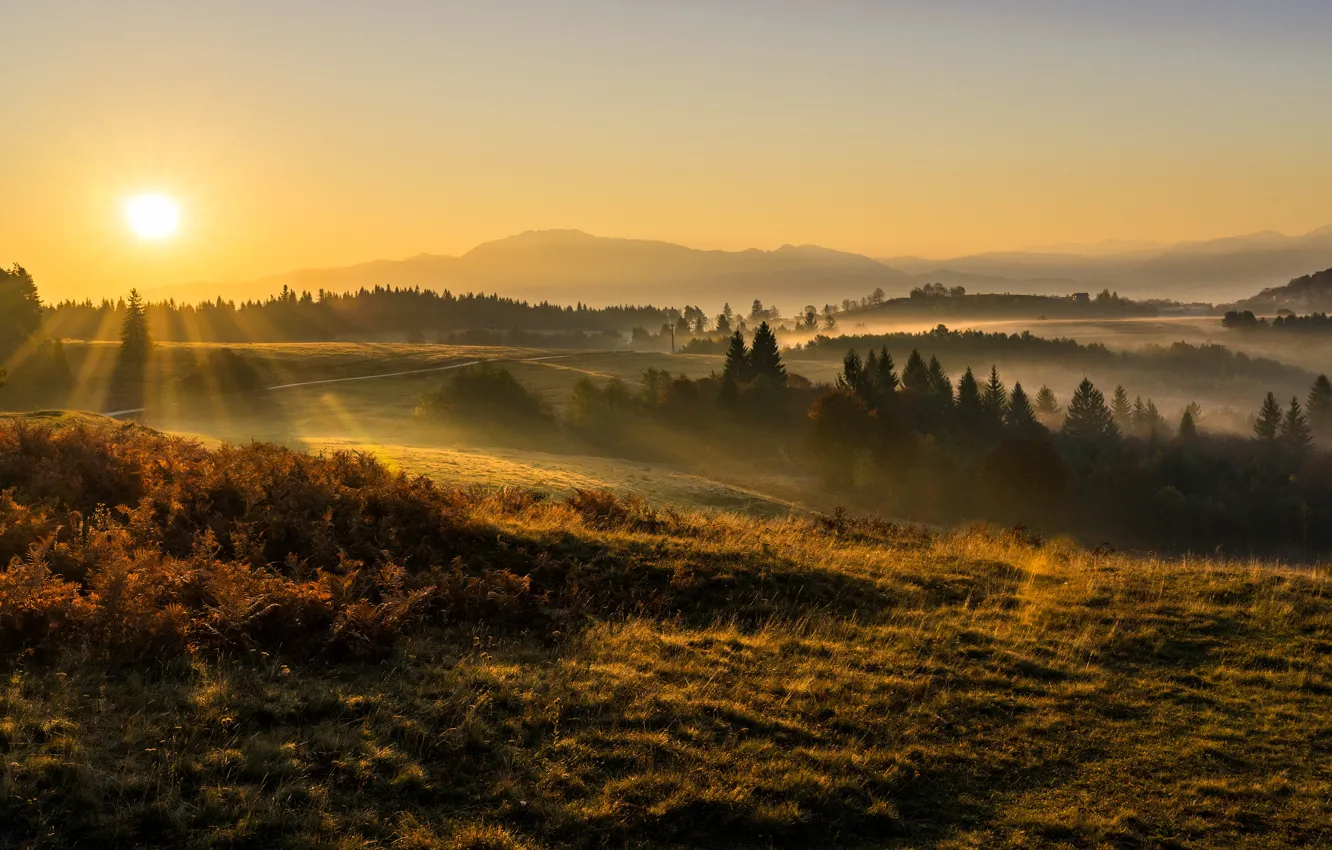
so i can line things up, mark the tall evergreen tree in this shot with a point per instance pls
(20, 307)
(940, 385)
(1154, 421)
(765, 358)
(995, 398)
(1188, 431)
(1020, 416)
(916, 375)
(1088, 417)
(1138, 416)
(884, 373)
(1267, 427)
(738, 368)
(134, 338)
(855, 376)
(1295, 432)
(970, 408)
(1046, 404)
(1320, 406)
(1120, 408)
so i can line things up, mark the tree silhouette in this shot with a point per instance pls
(738, 368)
(1154, 420)
(1120, 409)
(20, 307)
(969, 406)
(765, 358)
(855, 377)
(1019, 415)
(916, 375)
(1320, 405)
(883, 377)
(1046, 405)
(135, 341)
(940, 386)
(1267, 426)
(1088, 417)
(1188, 431)
(994, 400)
(1295, 431)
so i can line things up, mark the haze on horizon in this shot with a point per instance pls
(312, 134)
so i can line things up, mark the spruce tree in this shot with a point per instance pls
(1138, 416)
(940, 385)
(738, 368)
(855, 376)
(1019, 416)
(765, 358)
(1188, 431)
(1120, 409)
(1154, 421)
(1267, 426)
(1088, 417)
(1320, 406)
(134, 338)
(1046, 405)
(20, 307)
(1295, 432)
(884, 376)
(916, 375)
(995, 398)
(970, 408)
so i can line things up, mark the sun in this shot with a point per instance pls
(152, 216)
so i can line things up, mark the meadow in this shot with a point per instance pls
(263, 648)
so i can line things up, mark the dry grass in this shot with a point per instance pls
(698, 680)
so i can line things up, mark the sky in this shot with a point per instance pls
(299, 133)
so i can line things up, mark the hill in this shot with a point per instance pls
(264, 648)
(568, 265)
(1214, 270)
(1308, 294)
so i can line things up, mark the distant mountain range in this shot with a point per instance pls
(569, 266)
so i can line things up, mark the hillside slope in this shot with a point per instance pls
(264, 648)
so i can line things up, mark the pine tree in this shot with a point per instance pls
(1295, 432)
(855, 376)
(765, 358)
(916, 375)
(1267, 426)
(1120, 409)
(738, 368)
(1188, 432)
(884, 377)
(1088, 417)
(134, 338)
(969, 406)
(940, 385)
(1138, 416)
(1320, 406)
(1019, 416)
(1154, 421)
(20, 307)
(995, 398)
(1046, 405)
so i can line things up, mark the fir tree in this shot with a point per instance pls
(939, 383)
(738, 368)
(20, 307)
(855, 376)
(884, 376)
(1120, 409)
(969, 407)
(1320, 406)
(134, 338)
(1154, 421)
(1088, 417)
(1188, 432)
(995, 398)
(1267, 426)
(765, 358)
(1295, 432)
(1019, 416)
(916, 375)
(1046, 405)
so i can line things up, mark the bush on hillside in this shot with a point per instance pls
(484, 396)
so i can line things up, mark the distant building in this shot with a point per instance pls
(1082, 297)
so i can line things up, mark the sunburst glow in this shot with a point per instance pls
(152, 216)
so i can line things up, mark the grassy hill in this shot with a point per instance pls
(256, 647)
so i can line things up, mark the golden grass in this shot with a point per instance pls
(728, 681)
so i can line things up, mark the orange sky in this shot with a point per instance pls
(336, 132)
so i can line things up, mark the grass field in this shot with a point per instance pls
(672, 679)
